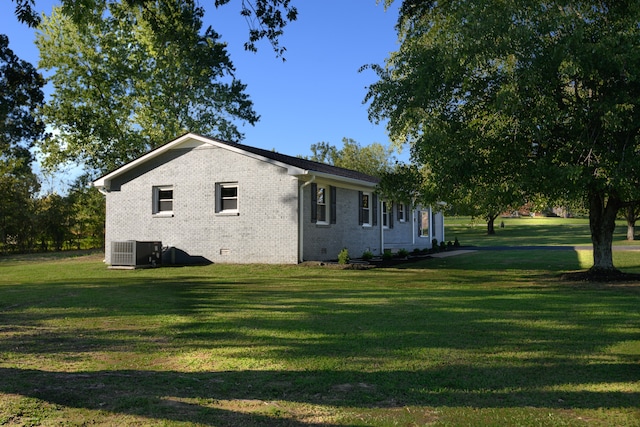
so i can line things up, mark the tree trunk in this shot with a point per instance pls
(602, 222)
(631, 217)
(490, 224)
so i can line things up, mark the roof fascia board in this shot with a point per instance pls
(104, 181)
(350, 183)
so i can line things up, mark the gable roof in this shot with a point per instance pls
(295, 166)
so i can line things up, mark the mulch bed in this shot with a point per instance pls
(357, 264)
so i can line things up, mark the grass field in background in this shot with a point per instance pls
(525, 231)
(486, 338)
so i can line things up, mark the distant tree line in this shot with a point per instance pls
(32, 222)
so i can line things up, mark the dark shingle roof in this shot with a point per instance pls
(309, 165)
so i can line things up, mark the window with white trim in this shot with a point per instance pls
(162, 200)
(387, 219)
(401, 208)
(321, 205)
(365, 209)
(424, 223)
(227, 197)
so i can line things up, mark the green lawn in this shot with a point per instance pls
(487, 338)
(526, 231)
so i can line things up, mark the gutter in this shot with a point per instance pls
(342, 181)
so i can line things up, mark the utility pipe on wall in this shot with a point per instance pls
(301, 218)
(380, 214)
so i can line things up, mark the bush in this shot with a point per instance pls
(387, 255)
(456, 243)
(402, 253)
(367, 255)
(343, 256)
(434, 244)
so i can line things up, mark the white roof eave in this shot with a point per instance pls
(103, 183)
(345, 181)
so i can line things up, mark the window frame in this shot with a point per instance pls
(220, 199)
(387, 214)
(402, 212)
(321, 206)
(157, 200)
(330, 204)
(371, 209)
(426, 212)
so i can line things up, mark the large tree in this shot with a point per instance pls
(372, 159)
(560, 78)
(20, 97)
(134, 79)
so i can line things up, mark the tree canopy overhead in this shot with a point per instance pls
(266, 19)
(545, 93)
(20, 97)
(134, 79)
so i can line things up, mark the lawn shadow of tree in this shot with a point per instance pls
(389, 343)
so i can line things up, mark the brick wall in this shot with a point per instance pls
(324, 242)
(263, 231)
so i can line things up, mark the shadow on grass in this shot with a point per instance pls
(377, 339)
(193, 397)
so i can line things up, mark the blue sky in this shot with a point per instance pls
(317, 94)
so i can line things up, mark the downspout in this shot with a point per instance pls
(381, 226)
(102, 189)
(433, 234)
(413, 227)
(301, 218)
(413, 222)
(443, 204)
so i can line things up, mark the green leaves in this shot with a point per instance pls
(506, 100)
(405, 183)
(26, 13)
(374, 159)
(266, 20)
(138, 77)
(20, 97)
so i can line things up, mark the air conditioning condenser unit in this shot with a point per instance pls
(136, 254)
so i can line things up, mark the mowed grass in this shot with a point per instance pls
(526, 231)
(485, 338)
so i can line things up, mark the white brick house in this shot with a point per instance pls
(221, 202)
